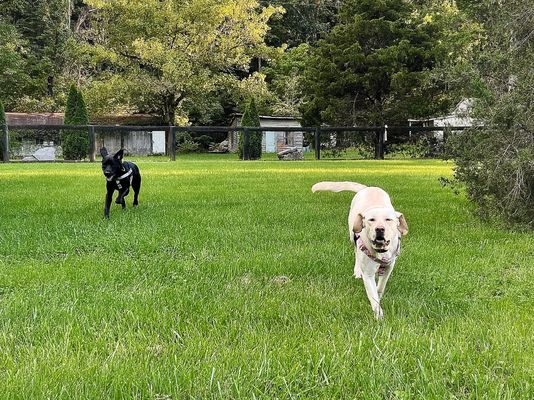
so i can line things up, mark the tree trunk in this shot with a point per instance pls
(50, 85)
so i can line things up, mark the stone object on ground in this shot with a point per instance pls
(42, 154)
(220, 148)
(292, 153)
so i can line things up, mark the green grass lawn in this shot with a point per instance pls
(232, 280)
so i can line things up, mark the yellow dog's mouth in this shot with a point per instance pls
(380, 245)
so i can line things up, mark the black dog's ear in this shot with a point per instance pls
(103, 152)
(119, 154)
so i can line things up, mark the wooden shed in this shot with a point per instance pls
(135, 142)
(273, 141)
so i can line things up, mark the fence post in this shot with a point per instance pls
(246, 145)
(380, 139)
(5, 143)
(92, 143)
(173, 143)
(317, 143)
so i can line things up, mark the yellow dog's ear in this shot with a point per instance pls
(358, 224)
(403, 226)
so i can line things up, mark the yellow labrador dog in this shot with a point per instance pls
(375, 229)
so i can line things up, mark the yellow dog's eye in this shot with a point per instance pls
(371, 220)
(389, 219)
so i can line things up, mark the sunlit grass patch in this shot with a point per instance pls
(232, 280)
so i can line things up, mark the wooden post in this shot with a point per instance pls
(5, 143)
(92, 143)
(173, 143)
(317, 143)
(379, 147)
(246, 145)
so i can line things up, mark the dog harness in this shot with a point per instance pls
(126, 175)
(382, 261)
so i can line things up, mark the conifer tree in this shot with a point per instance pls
(2, 122)
(251, 118)
(75, 142)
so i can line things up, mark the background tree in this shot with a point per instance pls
(284, 76)
(160, 53)
(2, 114)
(302, 22)
(75, 142)
(15, 80)
(374, 67)
(33, 64)
(496, 163)
(251, 118)
(2, 122)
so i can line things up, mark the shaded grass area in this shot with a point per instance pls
(233, 280)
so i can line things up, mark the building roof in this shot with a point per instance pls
(462, 110)
(270, 120)
(13, 118)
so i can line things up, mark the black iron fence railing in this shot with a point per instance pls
(323, 138)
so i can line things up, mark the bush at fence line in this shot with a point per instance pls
(424, 145)
(204, 142)
(2, 122)
(495, 165)
(185, 143)
(251, 118)
(75, 142)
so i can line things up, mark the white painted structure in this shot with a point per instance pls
(158, 142)
(273, 141)
(460, 116)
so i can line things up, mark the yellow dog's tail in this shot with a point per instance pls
(338, 186)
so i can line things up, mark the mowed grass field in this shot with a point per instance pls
(232, 280)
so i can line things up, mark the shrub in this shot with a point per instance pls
(2, 122)
(251, 118)
(496, 166)
(204, 142)
(424, 145)
(75, 142)
(185, 143)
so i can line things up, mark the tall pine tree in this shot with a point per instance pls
(251, 118)
(375, 66)
(2, 122)
(75, 142)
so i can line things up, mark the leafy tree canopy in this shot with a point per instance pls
(495, 163)
(304, 21)
(153, 55)
(377, 65)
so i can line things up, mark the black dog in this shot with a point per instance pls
(119, 176)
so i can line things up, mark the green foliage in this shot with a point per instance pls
(374, 67)
(303, 21)
(185, 143)
(285, 80)
(495, 163)
(2, 122)
(33, 34)
(15, 79)
(2, 113)
(75, 142)
(250, 118)
(163, 52)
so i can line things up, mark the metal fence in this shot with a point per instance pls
(321, 139)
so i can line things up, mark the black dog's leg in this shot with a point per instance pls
(121, 196)
(109, 195)
(136, 186)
